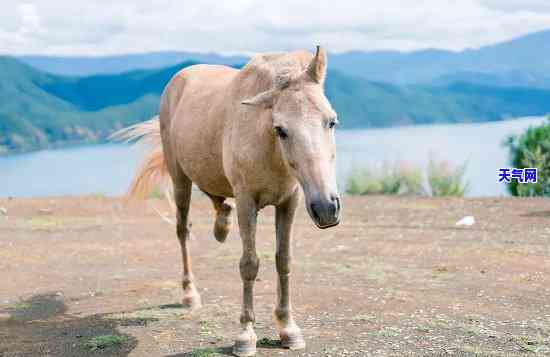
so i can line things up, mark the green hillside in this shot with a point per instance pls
(39, 110)
(361, 103)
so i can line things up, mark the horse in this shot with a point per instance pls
(261, 135)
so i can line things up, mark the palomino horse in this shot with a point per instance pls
(255, 134)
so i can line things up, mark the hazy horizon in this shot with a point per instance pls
(251, 53)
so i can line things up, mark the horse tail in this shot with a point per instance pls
(153, 172)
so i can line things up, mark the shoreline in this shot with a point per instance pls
(60, 145)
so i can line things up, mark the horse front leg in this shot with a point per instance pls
(289, 332)
(247, 212)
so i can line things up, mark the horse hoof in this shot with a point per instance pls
(293, 341)
(221, 231)
(192, 302)
(244, 348)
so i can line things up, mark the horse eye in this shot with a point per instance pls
(332, 124)
(280, 132)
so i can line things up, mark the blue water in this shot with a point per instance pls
(108, 169)
(101, 169)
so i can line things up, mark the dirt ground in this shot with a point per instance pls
(397, 277)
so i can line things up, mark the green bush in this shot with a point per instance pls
(400, 179)
(361, 182)
(531, 149)
(444, 180)
(391, 180)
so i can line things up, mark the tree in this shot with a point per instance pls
(531, 150)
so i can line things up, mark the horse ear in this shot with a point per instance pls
(264, 99)
(317, 69)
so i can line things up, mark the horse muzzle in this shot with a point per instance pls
(325, 213)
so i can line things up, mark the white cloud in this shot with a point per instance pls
(517, 5)
(29, 19)
(106, 26)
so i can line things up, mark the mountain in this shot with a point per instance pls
(514, 78)
(526, 54)
(39, 110)
(521, 62)
(85, 66)
(362, 103)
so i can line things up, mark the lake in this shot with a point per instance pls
(108, 169)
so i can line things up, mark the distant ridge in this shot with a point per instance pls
(527, 55)
(523, 61)
(85, 66)
(41, 110)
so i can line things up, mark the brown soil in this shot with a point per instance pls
(397, 277)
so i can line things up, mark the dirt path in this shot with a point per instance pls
(400, 279)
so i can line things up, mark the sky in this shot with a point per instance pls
(104, 27)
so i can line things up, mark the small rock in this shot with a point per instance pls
(45, 210)
(4, 211)
(466, 221)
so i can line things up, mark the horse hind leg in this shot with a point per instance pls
(182, 196)
(223, 222)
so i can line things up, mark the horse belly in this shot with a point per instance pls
(205, 169)
(197, 125)
(198, 141)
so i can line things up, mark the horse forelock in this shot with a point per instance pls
(278, 69)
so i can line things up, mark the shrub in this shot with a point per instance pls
(391, 180)
(445, 180)
(361, 182)
(401, 179)
(411, 179)
(531, 149)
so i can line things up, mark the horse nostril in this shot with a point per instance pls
(313, 209)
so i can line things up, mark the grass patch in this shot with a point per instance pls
(22, 305)
(266, 256)
(43, 223)
(364, 317)
(442, 272)
(150, 314)
(268, 342)
(376, 271)
(52, 222)
(344, 268)
(205, 328)
(204, 352)
(530, 344)
(389, 332)
(105, 341)
(423, 329)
